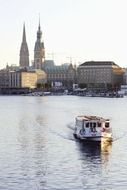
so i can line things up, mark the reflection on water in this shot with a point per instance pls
(106, 147)
(98, 151)
(32, 142)
(105, 153)
(90, 149)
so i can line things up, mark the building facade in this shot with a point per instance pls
(21, 81)
(60, 75)
(24, 52)
(100, 75)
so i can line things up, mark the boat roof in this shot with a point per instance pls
(91, 118)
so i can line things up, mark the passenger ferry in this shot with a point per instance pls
(92, 128)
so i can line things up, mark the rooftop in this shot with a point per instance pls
(91, 118)
(94, 63)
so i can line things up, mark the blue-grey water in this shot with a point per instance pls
(38, 151)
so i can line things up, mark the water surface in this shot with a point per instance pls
(38, 151)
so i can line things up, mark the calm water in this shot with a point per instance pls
(37, 149)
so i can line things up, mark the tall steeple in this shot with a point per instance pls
(24, 52)
(39, 50)
(39, 32)
(24, 34)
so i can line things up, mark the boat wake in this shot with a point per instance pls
(119, 137)
(69, 137)
(71, 126)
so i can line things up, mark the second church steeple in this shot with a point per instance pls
(39, 50)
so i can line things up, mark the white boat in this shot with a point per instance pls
(92, 128)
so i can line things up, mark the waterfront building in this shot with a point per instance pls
(100, 75)
(123, 90)
(39, 50)
(22, 80)
(41, 77)
(4, 78)
(24, 52)
(26, 78)
(125, 76)
(60, 75)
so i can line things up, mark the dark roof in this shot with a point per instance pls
(94, 63)
(56, 69)
(49, 63)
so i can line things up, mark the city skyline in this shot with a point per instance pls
(80, 30)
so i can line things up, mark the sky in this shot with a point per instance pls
(73, 30)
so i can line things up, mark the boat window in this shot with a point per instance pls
(94, 127)
(90, 124)
(87, 125)
(107, 124)
(99, 124)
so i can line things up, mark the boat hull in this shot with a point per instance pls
(93, 139)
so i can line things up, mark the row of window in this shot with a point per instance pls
(59, 76)
(91, 124)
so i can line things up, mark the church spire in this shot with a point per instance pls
(24, 33)
(39, 23)
(39, 32)
(24, 52)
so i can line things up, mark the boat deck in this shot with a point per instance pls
(91, 118)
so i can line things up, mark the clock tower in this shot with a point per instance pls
(39, 50)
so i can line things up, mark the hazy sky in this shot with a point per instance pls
(81, 29)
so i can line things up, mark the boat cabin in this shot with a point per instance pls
(92, 128)
(92, 124)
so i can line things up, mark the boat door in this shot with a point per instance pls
(93, 126)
